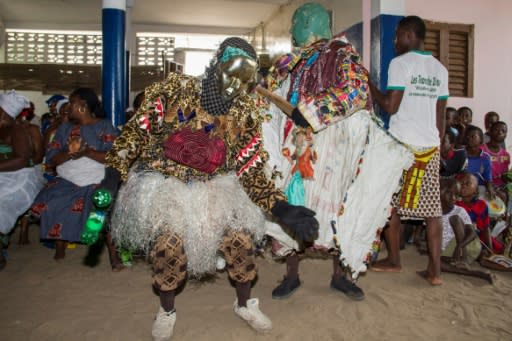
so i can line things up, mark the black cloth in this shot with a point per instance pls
(299, 220)
(211, 100)
(298, 119)
(111, 181)
(456, 164)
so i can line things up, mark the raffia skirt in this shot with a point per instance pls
(149, 204)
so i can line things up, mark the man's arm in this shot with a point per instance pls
(390, 101)
(440, 117)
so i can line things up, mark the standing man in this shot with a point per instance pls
(416, 98)
(333, 155)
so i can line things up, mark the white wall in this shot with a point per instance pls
(493, 51)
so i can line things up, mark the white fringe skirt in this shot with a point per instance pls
(149, 205)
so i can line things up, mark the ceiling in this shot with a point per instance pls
(86, 14)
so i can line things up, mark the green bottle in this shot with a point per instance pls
(93, 227)
(94, 223)
(101, 198)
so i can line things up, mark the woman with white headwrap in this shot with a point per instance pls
(20, 182)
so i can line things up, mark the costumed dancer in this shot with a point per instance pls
(357, 164)
(192, 164)
(20, 179)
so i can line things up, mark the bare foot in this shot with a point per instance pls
(59, 257)
(118, 267)
(384, 265)
(433, 280)
(489, 277)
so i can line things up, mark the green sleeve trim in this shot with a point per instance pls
(426, 53)
(443, 97)
(402, 88)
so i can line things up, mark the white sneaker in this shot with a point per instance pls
(163, 325)
(253, 315)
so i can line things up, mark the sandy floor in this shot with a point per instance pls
(45, 300)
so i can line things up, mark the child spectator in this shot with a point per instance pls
(479, 163)
(460, 244)
(500, 158)
(465, 116)
(451, 119)
(489, 120)
(453, 161)
(478, 211)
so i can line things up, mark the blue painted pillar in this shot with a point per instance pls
(385, 17)
(114, 60)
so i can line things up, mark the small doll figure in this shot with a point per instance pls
(304, 155)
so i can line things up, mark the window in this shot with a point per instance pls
(453, 45)
(151, 49)
(53, 47)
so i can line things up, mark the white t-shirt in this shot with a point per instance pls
(448, 233)
(424, 80)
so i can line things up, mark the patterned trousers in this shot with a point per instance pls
(170, 260)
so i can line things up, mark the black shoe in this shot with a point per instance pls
(348, 288)
(286, 288)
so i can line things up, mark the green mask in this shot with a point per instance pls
(310, 22)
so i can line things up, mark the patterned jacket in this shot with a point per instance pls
(173, 105)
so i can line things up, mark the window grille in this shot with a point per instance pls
(53, 48)
(151, 49)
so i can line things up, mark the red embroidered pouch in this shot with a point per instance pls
(195, 149)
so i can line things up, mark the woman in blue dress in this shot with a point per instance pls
(78, 153)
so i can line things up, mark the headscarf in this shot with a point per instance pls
(60, 103)
(54, 98)
(211, 100)
(13, 103)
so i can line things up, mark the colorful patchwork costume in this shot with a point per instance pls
(357, 163)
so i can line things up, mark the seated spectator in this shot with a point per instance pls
(460, 244)
(453, 161)
(500, 158)
(47, 118)
(30, 115)
(465, 116)
(489, 119)
(78, 153)
(451, 119)
(479, 163)
(34, 135)
(62, 109)
(37, 148)
(19, 181)
(478, 212)
(138, 100)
